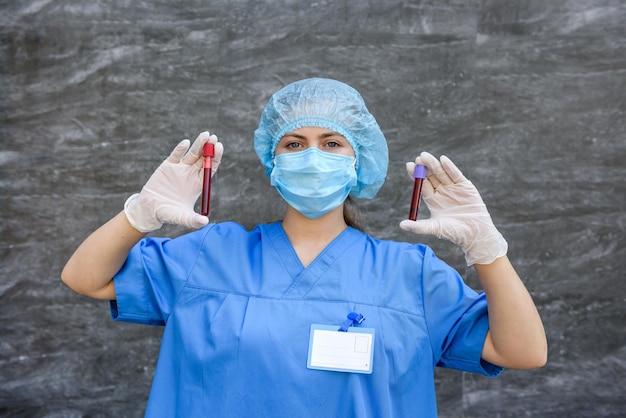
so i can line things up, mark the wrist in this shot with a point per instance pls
(486, 249)
(139, 215)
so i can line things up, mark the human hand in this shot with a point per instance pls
(171, 192)
(458, 213)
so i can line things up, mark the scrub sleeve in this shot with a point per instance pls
(449, 304)
(155, 272)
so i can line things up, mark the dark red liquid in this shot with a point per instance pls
(415, 199)
(206, 188)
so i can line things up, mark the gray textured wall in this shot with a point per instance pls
(528, 97)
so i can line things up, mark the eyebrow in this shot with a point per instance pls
(324, 135)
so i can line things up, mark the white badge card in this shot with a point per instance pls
(330, 349)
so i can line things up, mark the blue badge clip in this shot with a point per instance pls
(353, 318)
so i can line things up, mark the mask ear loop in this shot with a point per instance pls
(356, 173)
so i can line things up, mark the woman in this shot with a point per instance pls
(309, 316)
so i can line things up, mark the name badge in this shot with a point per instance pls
(351, 351)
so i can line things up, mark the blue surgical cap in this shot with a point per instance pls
(333, 105)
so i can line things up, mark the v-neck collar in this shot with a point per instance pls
(303, 279)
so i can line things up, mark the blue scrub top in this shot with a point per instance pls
(237, 308)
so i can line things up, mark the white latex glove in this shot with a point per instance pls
(458, 213)
(171, 192)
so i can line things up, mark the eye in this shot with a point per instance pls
(335, 142)
(289, 144)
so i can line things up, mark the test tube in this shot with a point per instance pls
(419, 174)
(208, 152)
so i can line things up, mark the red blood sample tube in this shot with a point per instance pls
(419, 174)
(208, 152)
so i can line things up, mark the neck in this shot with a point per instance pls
(310, 236)
(300, 227)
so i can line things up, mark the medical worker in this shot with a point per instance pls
(309, 316)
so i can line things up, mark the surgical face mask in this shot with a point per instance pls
(313, 182)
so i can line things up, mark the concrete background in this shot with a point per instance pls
(527, 97)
